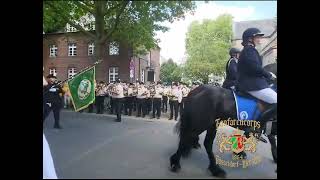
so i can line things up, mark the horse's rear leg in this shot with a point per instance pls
(208, 142)
(175, 159)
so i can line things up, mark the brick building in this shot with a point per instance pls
(66, 53)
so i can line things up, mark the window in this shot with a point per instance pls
(53, 50)
(113, 48)
(72, 49)
(71, 72)
(142, 75)
(53, 71)
(70, 28)
(90, 49)
(113, 74)
(91, 26)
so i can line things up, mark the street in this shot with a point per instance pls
(94, 146)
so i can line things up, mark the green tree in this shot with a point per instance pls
(134, 22)
(170, 72)
(207, 46)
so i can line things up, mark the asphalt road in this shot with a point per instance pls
(94, 146)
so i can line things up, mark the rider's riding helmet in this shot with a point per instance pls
(250, 33)
(233, 52)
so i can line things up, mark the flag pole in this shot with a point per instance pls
(84, 69)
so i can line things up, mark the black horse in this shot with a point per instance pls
(203, 106)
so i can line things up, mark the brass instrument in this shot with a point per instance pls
(135, 91)
(125, 90)
(153, 91)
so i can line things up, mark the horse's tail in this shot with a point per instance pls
(183, 128)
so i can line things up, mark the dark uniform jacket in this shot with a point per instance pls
(52, 97)
(251, 75)
(231, 74)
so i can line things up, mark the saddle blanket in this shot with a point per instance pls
(247, 108)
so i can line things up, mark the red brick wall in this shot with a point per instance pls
(62, 62)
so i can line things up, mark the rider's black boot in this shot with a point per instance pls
(268, 114)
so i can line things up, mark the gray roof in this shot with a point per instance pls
(267, 26)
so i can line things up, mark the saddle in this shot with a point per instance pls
(248, 107)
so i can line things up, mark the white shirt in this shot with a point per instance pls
(141, 90)
(159, 90)
(177, 93)
(130, 91)
(119, 91)
(48, 167)
(101, 91)
(185, 91)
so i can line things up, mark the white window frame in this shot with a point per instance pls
(114, 48)
(53, 71)
(53, 51)
(70, 28)
(72, 72)
(113, 73)
(72, 49)
(142, 75)
(91, 49)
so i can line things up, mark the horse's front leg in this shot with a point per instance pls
(208, 142)
(272, 140)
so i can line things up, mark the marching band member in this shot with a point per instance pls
(148, 99)
(129, 99)
(157, 100)
(185, 91)
(165, 98)
(134, 94)
(118, 99)
(100, 95)
(176, 95)
(52, 97)
(141, 105)
(111, 89)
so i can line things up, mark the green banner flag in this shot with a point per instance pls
(82, 89)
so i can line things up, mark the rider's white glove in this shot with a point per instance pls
(53, 90)
(273, 76)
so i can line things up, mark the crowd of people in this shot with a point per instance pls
(133, 99)
(140, 99)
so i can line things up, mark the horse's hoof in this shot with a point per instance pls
(262, 139)
(217, 171)
(175, 168)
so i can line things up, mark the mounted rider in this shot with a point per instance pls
(252, 78)
(231, 69)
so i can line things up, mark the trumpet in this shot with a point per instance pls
(152, 91)
(134, 91)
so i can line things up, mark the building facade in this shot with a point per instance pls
(67, 53)
(268, 47)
